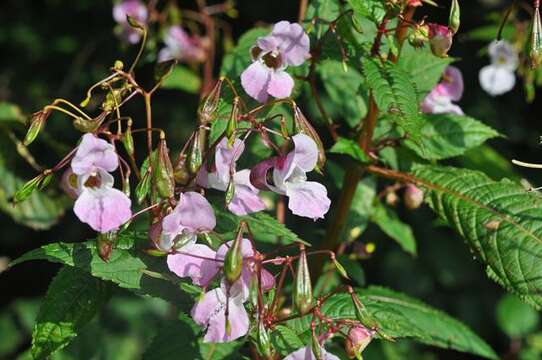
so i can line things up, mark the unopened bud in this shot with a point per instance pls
(36, 124)
(440, 39)
(209, 106)
(230, 191)
(455, 17)
(362, 315)
(47, 178)
(181, 174)
(233, 261)
(391, 198)
(163, 170)
(302, 126)
(357, 340)
(302, 292)
(118, 65)
(419, 36)
(413, 197)
(195, 156)
(534, 46)
(27, 189)
(105, 244)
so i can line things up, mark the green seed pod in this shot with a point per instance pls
(233, 261)
(263, 342)
(47, 178)
(86, 125)
(455, 16)
(195, 156)
(144, 186)
(232, 122)
(27, 189)
(209, 105)
(128, 139)
(163, 170)
(181, 174)
(534, 45)
(230, 191)
(316, 348)
(302, 292)
(36, 124)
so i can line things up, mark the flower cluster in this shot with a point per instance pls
(499, 77)
(442, 97)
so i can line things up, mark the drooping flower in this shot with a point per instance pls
(183, 47)
(449, 89)
(192, 215)
(135, 9)
(440, 39)
(499, 77)
(306, 353)
(305, 198)
(357, 340)
(245, 198)
(287, 45)
(210, 312)
(98, 204)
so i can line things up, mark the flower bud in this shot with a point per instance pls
(357, 340)
(233, 261)
(36, 124)
(181, 174)
(263, 342)
(455, 17)
(163, 170)
(534, 45)
(28, 188)
(302, 126)
(128, 139)
(440, 39)
(412, 197)
(104, 243)
(207, 109)
(302, 292)
(391, 198)
(47, 178)
(195, 156)
(419, 36)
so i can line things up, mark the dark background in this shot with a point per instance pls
(54, 48)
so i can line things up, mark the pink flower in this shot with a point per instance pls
(196, 261)
(245, 198)
(98, 204)
(357, 340)
(287, 45)
(440, 39)
(182, 47)
(210, 312)
(440, 99)
(192, 215)
(135, 9)
(305, 198)
(307, 354)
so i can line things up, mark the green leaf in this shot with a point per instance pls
(388, 221)
(327, 10)
(182, 78)
(516, 318)
(129, 267)
(448, 135)
(425, 69)
(374, 10)
(264, 227)
(11, 112)
(487, 160)
(343, 88)
(285, 340)
(395, 94)
(362, 207)
(354, 269)
(73, 298)
(501, 222)
(351, 148)
(401, 316)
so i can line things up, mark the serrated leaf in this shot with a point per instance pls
(265, 228)
(374, 10)
(73, 298)
(401, 316)
(182, 78)
(448, 135)
(129, 267)
(388, 221)
(351, 148)
(501, 222)
(395, 94)
(285, 340)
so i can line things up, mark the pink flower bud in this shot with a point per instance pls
(413, 196)
(440, 39)
(358, 339)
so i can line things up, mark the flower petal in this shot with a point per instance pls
(496, 80)
(306, 354)
(453, 83)
(255, 80)
(191, 263)
(293, 42)
(280, 85)
(94, 153)
(308, 199)
(134, 8)
(435, 103)
(258, 174)
(195, 212)
(245, 199)
(246, 249)
(504, 54)
(306, 152)
(104, 209)
(225, 158)
(268, 280)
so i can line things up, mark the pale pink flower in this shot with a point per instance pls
(135, 9)
(306, 353)
(499, 77)
(196, 261)
(449, 89)
(305, 198)
(245, 197)
(357, 340)
(287, 45)
(183, 47)
(92, 154)
(192, 215)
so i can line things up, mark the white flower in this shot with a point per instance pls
(499, 77)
